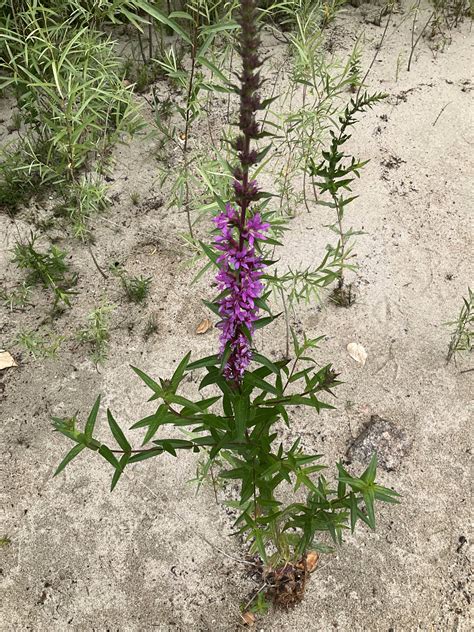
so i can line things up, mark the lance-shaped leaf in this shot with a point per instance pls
(89, 429)
(163, 19)
(69, 457)
(179, 373)
(108, 455)
(119, 471)
(118, 434)
(204, 362)
(266, 320)
(156, 388)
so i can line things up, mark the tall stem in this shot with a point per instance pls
(249, 42)
(188, 120)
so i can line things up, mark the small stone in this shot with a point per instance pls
(383, 437)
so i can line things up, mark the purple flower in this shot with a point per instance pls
(240, 271)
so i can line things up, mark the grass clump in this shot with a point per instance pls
(137, 288)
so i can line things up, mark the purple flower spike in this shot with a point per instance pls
(240, 270)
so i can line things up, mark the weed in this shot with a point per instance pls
(96, 332)
(343, 295)
(16, 121)
(141, 75)
(151, 326)
(335, 176)
(329, 10)
(238, 423)
(415, 39)
(355, 72)
(261, 605)
(452, 12)
(40, 346)
(86, 198)
(135, 198)
(462, 336)
(136, 288)
(162, 109)
(5, 541)
(17, 298)
(48, 269)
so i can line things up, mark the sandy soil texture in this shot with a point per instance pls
(151, 555)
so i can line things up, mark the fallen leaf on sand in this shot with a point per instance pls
(6, 360)
(204, 326)
(249, 618)
(357, 352)
(312, 561)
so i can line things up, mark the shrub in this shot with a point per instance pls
(73, 101)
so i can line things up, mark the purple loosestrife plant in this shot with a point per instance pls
(237, 427)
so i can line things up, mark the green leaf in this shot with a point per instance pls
(386, 495)
(370, 473)
(241, 412)
(154, 13)
(119, 471)
(260, 544)
(201, 272)
(210, 66)
(147, 454)
(254, 380)
(266, 320)
(261, 154)
(236, 473)
(369, 497)
(225, 356)
(213, 256)
(219, 445)
(212, 306)
(108, 455)
(92, 419)
(179, 373)
(182, 401)
(118, 434)
(212, 360)
(354, 510)
(156, 388)
(69, 457)
(261, 359)
(153, 422)
(221, 26)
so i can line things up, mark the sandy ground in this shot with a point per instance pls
(150, 555)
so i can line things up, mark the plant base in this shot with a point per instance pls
(343, 295)
(286, 585)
